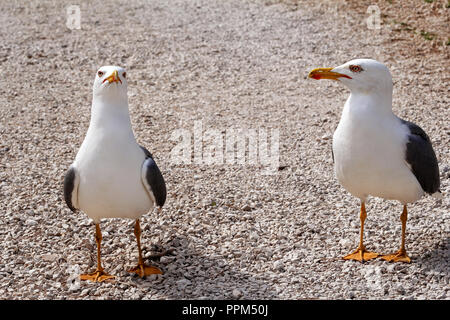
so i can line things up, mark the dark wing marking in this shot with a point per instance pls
(153, 179)
(420, 155)
(69, 187)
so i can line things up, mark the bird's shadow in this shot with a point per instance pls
(189, 274)
(437, 258)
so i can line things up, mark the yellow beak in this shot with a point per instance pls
(326, 73)
(114, 77)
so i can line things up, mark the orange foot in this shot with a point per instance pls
(97, 276)
(143, 270)
(399, 256)
(361, 255)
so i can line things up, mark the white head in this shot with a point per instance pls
(365, 76)
(110, 83)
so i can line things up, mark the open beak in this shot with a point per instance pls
(326, 73)
(114, 77)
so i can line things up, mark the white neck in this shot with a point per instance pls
(110, 121)
(378, 102)
(106, 113)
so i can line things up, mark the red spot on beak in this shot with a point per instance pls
(114, 77)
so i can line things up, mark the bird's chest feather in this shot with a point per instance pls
(367, 147)
(109, 166)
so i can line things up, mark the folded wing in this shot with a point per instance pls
(421, 158)
(71, 182)
(153, 180)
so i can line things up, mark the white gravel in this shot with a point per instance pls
(235, 232)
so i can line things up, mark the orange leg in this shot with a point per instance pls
(361, 254)
(400, 255)
(98, 275)
(141, 269)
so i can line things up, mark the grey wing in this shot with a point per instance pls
(71, 182)
(153, 180)
(422, 159)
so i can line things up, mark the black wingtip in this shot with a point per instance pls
(69, 181)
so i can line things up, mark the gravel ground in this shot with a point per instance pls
(235, 231)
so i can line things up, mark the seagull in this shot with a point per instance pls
(112, 175)
(375, 153)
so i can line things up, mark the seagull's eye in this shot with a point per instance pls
(355, 68)
(124, 74)
(100, 74)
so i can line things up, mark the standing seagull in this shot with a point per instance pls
(113, 176)
(375, 152)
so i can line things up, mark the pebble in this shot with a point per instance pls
(165, 259)
(400, 289)
(49, 257)
(183, 282)
(31, 222)
(278, 265)
(236, 294)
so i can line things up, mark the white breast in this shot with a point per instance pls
(369, 148)
(109, 163)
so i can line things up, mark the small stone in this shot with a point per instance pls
(49, 257)
(386, 289)
(31, 222)
(400, 290)
(254, 236)
(236, 294)
(176, 243)
(278, 265)
(165, 259)
(183, 282)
